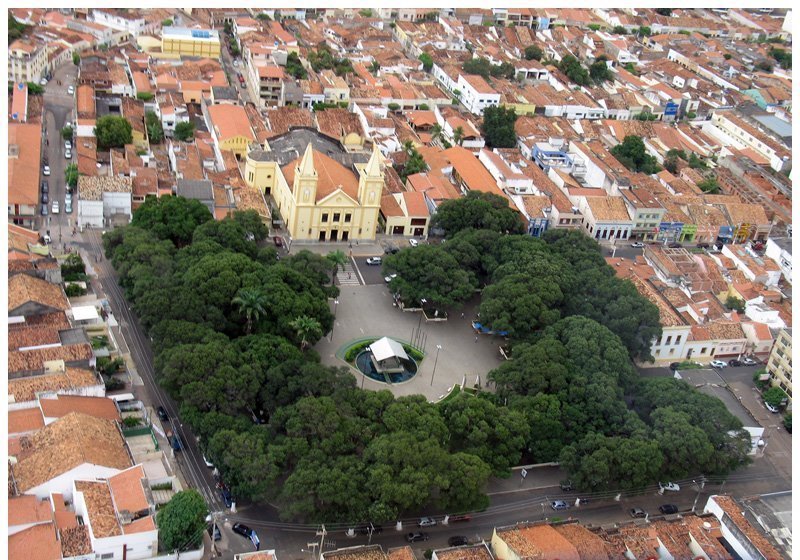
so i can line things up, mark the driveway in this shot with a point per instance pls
(366, 311)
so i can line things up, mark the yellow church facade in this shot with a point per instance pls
(319, 199)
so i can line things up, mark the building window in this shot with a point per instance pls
(347, 218)
(669, 340)
(703, 351)
(324, 218)
(678, 339)
(336, 217)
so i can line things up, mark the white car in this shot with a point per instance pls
(426, 522)
(68, 154)
(771, 408)
(749, 361)
(70, 90)
(389, 278)
(637, 245)
(718, 364)
(54, 209)
(374, 260)
(67, 145)
(208, 463)
(43, 82)
(413, 242)
(46, 171)
(68, 206)
(670, 486)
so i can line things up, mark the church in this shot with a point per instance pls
(319, 198)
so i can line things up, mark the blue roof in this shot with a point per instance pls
(776, 125)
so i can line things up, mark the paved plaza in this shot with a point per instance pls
(367, 311)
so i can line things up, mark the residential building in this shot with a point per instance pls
(230, 129)
(645, 211)
(476, 93)
(779, 249)
(605, 217)
(405, 213)
(104, 200)
(27, 61)
(745, 540)
(735, 130)
(779, 364)
(24, 160)
(184, 41)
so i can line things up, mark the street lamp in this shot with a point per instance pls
(435, 361)
(335, 305)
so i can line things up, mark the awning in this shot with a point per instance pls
(386, 348)
(85, 313)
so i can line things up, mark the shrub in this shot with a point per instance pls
(74, 290)
(356, 349)
(131, 421)
(113, 384)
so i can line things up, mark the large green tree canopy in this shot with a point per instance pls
(477, 210)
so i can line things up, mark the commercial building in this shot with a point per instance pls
(190, 42)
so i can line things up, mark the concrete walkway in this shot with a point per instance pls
(365, 311)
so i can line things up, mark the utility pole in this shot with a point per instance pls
(435, 361)
(321, 534)
(214, 532)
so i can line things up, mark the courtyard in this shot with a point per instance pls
(367, 311)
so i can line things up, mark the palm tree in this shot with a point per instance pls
(436, 132)
(338, 259)
(306, 327)
(408, 146)
(251, 302)
(458, 135)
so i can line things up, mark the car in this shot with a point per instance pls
(370, 527)
(242, 529)
(566, 485)
(390, 250)
(68, 124)
(750, 361)
(417, 537)
(559, 505)
(216, 533)
(771, 408)
(71, 90)
(45, 186)
(702, 245)
(374, 260)
(459, 518)
(46, 239)
(44, 198)
(68, 197)
(668, 509)
(426, 522)
(674, 365)
(637, 512)
(637, 245)
(242, 85)
(277, 241)
(718, 364)
(68, 206)
(68, 154)
(208, 463)
(413, 242)
(675, 245)
(734, 363)
(162, 414)
(236, 62)
(175, 442)
(54, 208)
(67, 145)
(43, 82)
(671, 486)
(46, 170)
(389, 278)
(44, 210)
(458, 540)
(227, 498)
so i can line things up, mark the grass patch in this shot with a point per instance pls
(99, 341)
(688, 364)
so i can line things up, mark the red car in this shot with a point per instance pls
(278, 241)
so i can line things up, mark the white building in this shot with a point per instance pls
(27, 62)
(476, 93)
(779, 249)
(104, 200)
(115, 20)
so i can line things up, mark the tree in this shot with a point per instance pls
(414, 164)
(307, 328)
(393, 106)
(458, 135)
(479, 66)
(533, 52)
(573, 69)
(644, 31)
(764, 66)
(71, 175)
(166, 23)
(774, 396)
(428, 272)
(520, 305)
(251, 302)
(184, 131)
(709, 186)
(498, 127)
(112, 132)
(338, 260)
(15, 28)
(734, 303)
(155, 131)
(664, 11)
(76, 58)
(631, 67)
(423, 107)
(144, 96)
(171, 217)
(182, 520)
(436, 132)
(600, 72)
(35, 89)
(263, 17)
(632, 153)
(619, 30)
(783, 57)
(427, 61)
(594, 26)
(787, 422)
(294, 66)
(67, 133)
(366, 12)
(477, 210)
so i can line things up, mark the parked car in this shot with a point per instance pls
(54, 208)
(208, 463)
(458, 540)
(216, 533)
(671, 486)
(46, 170)
(374, 260)
(566, 485)
(771, 408)
(718, 364)
(390, 250)
(426, 522)
(750, 361)
(702, 245)
(668, 509)
(227, 498)
(417, 537)
(389, 278)
(44, 209)
(68, 154)
(67, 145)
(365, 529)
(244, 530)
(674, 365)
(175, 442)
(71, 90)
(162, 414)
(637, 245)
(638, 512)
(45, 186)
(43, 82)
(734, 363)
(675, 245)
(68, 206)
(559, 505)
(46, 239)
(277, 241)
(413, 242)
(458, 518)
(44, 197)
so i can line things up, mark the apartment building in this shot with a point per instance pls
(737, 131)
(27, 61)
(779, 364)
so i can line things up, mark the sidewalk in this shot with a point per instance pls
(539, 477)
(350, 248)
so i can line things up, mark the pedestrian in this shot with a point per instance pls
(348, 276)
(462, 314)
(476, 338)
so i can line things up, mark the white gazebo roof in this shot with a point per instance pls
(386, 348)
(85, 313)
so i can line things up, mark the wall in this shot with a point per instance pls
(64, 482)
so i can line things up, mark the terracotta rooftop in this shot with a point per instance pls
(401, 553)
(75, 439)
(37, 542)
(734, 511)
(92, 188)
(538, 542)
(23, 510)
(23, 288)
(26, 388)
(608, 208)
(100, 507)
(469, 168)
(472, 552)
(230, 121)
(588, 545)
(338, 123)
(23, 168)
(128, 490)
(98, 407)
(32, 336)
(33, 360)
(330, 173)
(282, 119)
(24, 420)
(371, 552)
